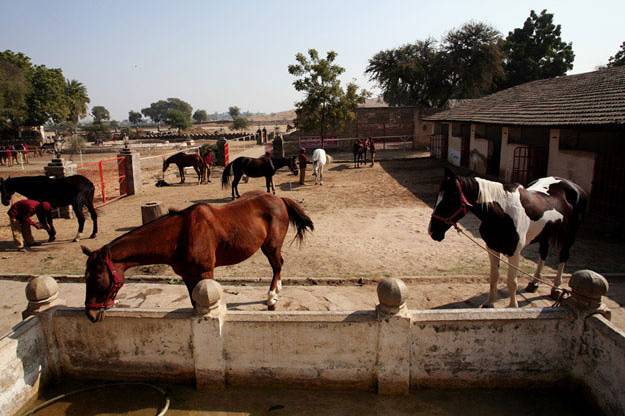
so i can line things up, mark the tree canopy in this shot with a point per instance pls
(46, 99)
(234, 111)
(161, 112)
(200, 116)
(178, 119)
(618, 58)
(99, 114)
(326, 105)
(134, 117)
(240, 123)
(77, 100)
(536, 51)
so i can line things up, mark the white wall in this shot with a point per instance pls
(574, 165)
(454, 150)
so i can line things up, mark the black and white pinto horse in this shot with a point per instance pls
(548, 212)
(255, 168)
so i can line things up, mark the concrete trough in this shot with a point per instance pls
(391, 350)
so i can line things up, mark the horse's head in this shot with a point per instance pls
(293, 165)
(6, 192)
(103, 282)
(450, 207)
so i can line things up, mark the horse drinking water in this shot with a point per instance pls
(549, 211)
(320, 158)
(193, 242)
(75, 190)
(255, 168)
(183, 160)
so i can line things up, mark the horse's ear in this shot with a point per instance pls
(86, 250)
(449, 174)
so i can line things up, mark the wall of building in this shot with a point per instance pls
(23, 364)
(423, 130)
(577, 166)
(478, 153)
(454, 150)
(385, 121)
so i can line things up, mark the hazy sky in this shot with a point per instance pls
(216, 54)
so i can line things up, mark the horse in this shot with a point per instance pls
(75, 190)
(320, 158)
(195, 241)
(183, 160)
(360, 153)
(255, 168)
(548, 212)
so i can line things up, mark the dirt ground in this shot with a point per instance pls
(370, 222)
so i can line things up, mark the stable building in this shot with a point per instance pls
(571, 126)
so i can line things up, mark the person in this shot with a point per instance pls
(303, 161)
(8, 155)
(209, 161)
(20, 219)
(25, 152)
(264, 137)
(371, 146)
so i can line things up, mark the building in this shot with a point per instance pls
(571, 126)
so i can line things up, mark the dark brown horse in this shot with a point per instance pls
(360, 153)
(193, 242)
(183, 160)
(255, 168)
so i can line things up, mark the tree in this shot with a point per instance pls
(536, 51)
(77, 100)
(15, 73)
(100, 113)
(134, 117)
(114, 124)
(619, 57)
(46, 99)
(158, 111)
(178, 119)
(472, 60)
(410, 75)
(325, 105)
(200, 116)
(234, 111)
(240, 123)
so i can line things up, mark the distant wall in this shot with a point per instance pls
(577, 166)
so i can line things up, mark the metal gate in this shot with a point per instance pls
(529, 163)
(109, 178)
(438, 146)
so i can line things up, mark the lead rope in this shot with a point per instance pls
(564, 293)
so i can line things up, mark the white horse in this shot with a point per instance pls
(320, 158)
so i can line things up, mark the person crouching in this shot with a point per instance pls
(20, 215)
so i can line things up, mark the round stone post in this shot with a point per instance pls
(392, 293)
(42, 293)
(587, 290)
(207, 295)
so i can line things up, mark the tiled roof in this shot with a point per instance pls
(592, 98)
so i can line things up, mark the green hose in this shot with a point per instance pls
(160, 412)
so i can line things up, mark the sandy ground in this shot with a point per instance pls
(370, 222)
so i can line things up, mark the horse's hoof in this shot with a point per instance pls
(531, 287)
(75, 240)
(271, 307)
(487, 306)
(556, 293)
(92, 236)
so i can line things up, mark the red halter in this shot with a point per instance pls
(118, 282)
(460, 212)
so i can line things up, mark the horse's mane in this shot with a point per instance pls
(489, 191)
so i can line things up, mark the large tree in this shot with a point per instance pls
(15, 74)
(46, 99)
(411, 74)
(134, 117)
(178, 119)
(200, 116)
(472, 60)
(100, 114)
(536, 51)
(77, 100)
(234, 111)
(159, 111)
(326, 105)
(619, 57)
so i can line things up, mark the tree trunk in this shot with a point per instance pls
(151, 211)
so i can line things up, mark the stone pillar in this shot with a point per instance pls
(132, 171)
(42, 293)
(587, 291)
(60, 168)
(208, 343)
(393, 360)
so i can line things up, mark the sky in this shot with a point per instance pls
(214, 54)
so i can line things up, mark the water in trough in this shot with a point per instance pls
(186, 401)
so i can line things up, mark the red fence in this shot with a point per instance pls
(109, 178)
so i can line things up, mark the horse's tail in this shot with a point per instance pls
(329, 159)
(225, 177)
(298, 218)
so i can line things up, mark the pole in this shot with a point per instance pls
(102, 182)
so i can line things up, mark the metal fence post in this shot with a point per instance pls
(102, 183)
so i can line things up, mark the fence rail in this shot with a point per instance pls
(109, 178)
(346, 143)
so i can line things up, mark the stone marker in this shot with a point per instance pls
(42, 293)
(587, 289)
(207, 295)
(151, 211)
(392, 294)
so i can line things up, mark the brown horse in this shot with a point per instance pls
(183, 160)
(193, 242)
(360, 153)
